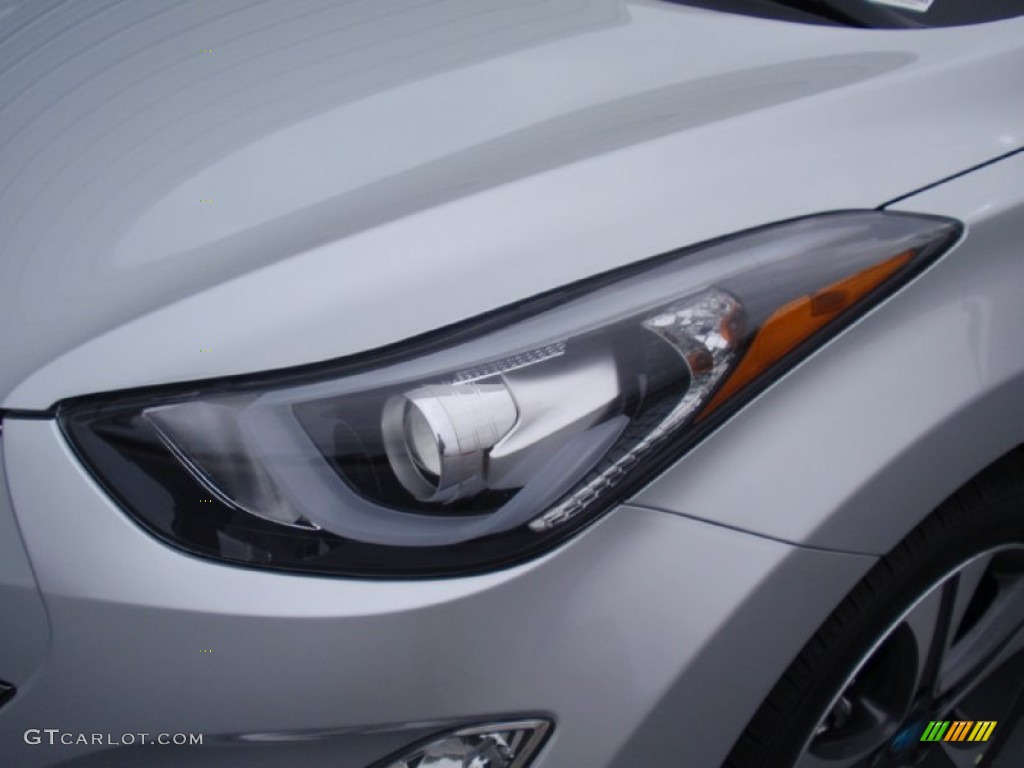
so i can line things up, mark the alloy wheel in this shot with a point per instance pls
(957, 654)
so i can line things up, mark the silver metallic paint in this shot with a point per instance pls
(294, 653)
(452, 156)
(24, 627)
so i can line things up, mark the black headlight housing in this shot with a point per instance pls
(480, 445)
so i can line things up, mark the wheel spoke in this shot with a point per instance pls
(968, 580)
(997, 636)
(970, 677)
(931, 622)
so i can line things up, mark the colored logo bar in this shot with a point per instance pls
(958, 730)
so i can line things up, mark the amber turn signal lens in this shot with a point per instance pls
(791, 324)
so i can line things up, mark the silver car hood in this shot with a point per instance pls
(191, 190)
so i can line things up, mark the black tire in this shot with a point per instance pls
(803, 715)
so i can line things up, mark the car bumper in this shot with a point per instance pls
(649, 638)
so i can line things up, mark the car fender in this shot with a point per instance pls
(857, 445)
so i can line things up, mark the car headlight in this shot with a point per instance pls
(481, 444)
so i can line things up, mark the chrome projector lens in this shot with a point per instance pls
(451, 441)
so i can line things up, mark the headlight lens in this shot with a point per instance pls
(482, 444)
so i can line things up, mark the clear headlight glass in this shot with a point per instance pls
(479, 445)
